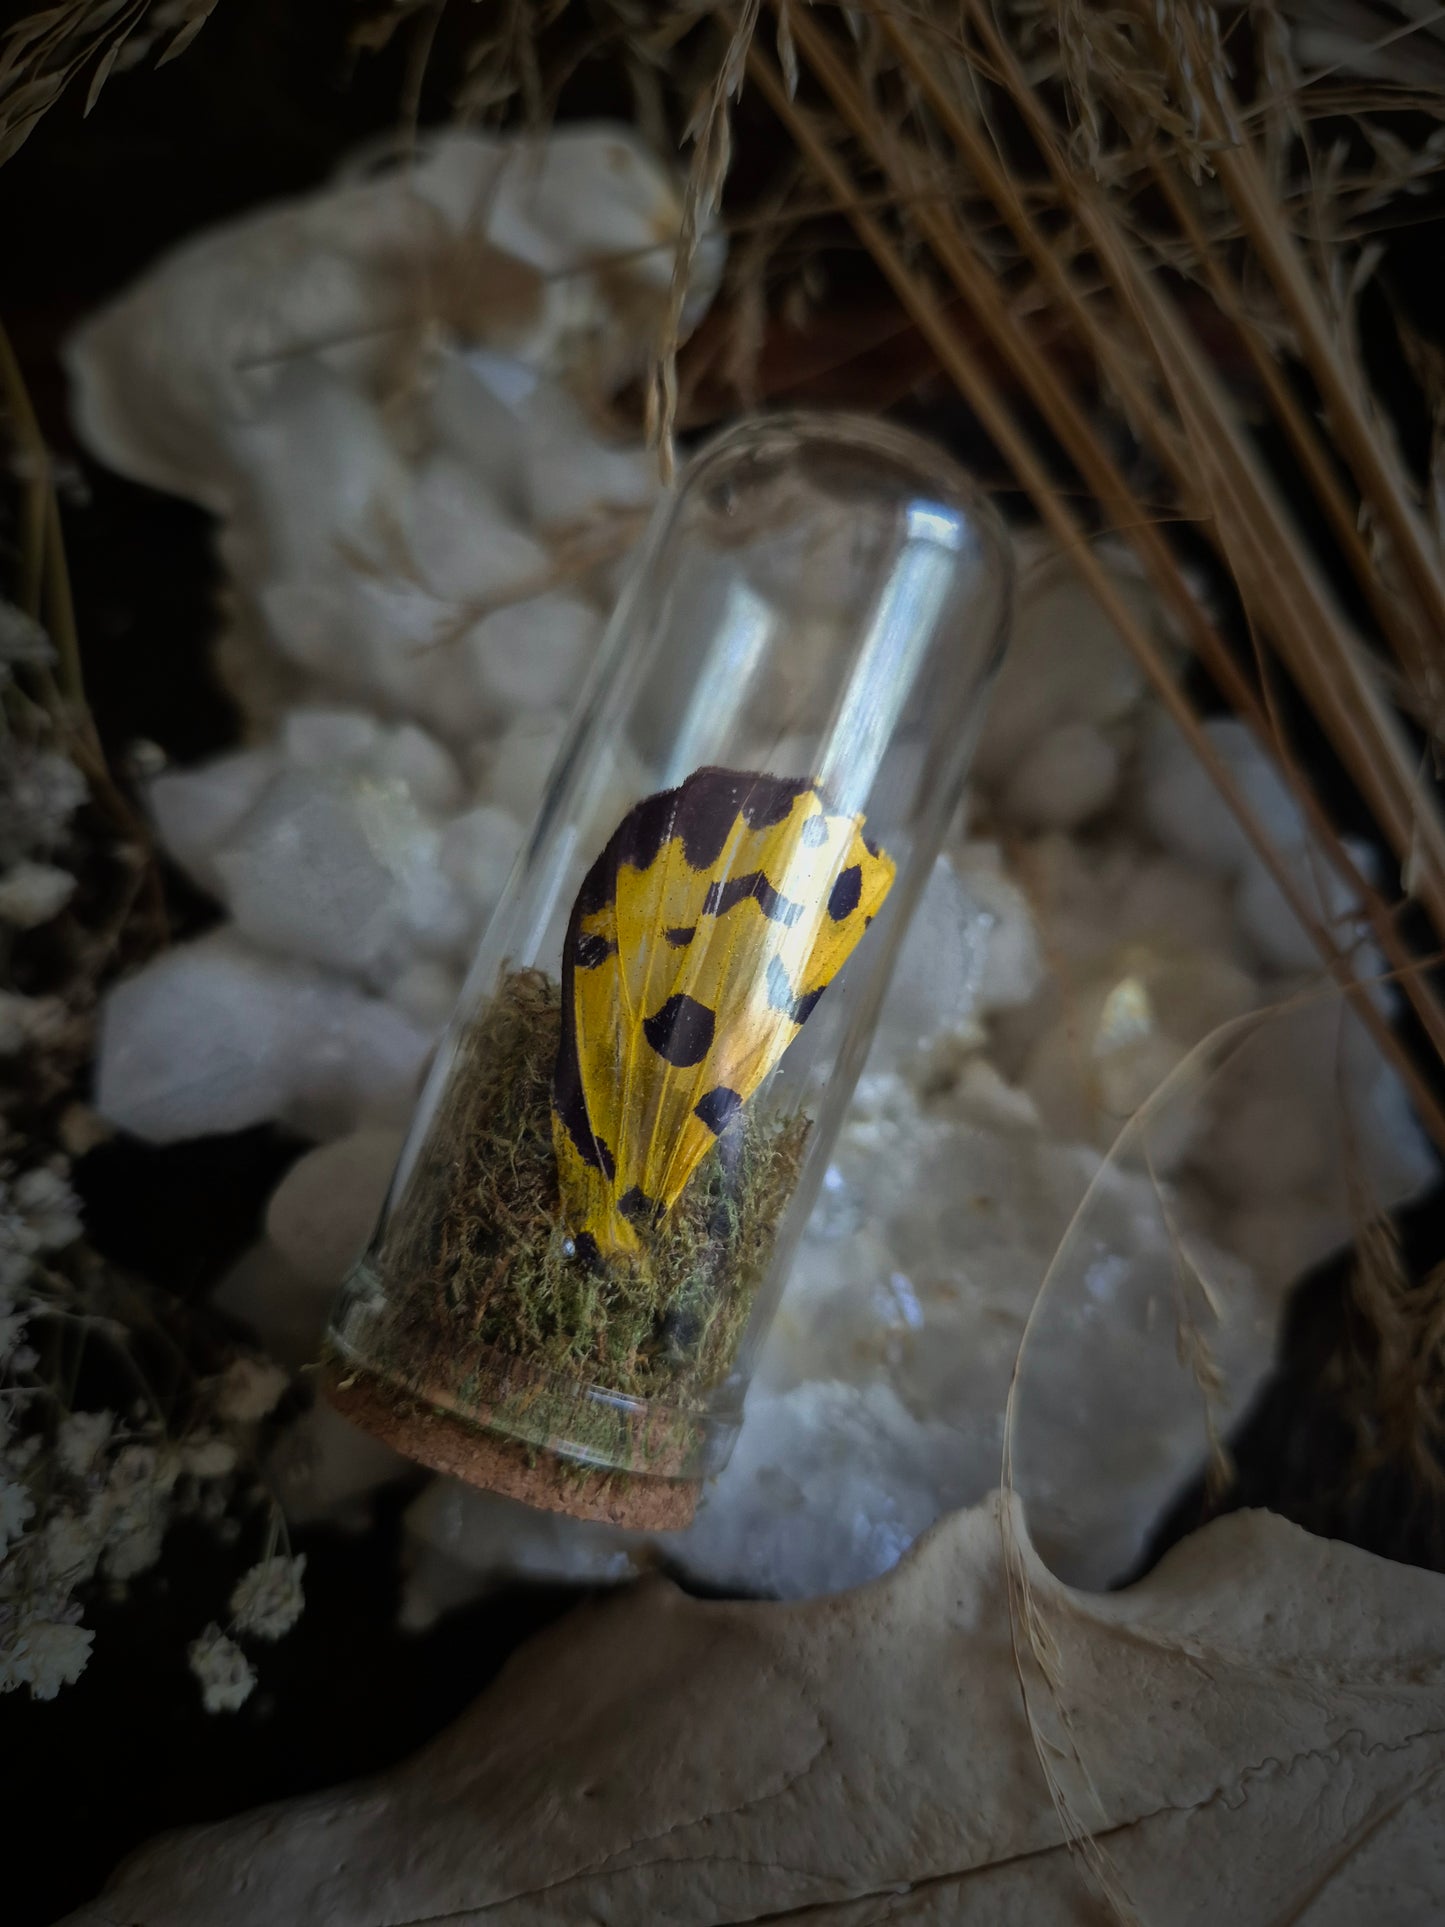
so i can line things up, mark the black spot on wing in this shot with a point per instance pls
(702, 811)
(843, 899)
(637, 1207)
(769, 799)
(710, 802)
(682, 1031)
(569, 1100)
(717, 1108)
(570, 1105)
(585, 1251)
(721, 898)
(814, 833)
(872, 848)
(680, 935)
(590, 950)
(803, 1007)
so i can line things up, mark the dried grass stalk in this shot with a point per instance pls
(971, 286)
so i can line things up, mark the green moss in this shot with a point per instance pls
(486, 1308)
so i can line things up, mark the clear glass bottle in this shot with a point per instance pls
(623, 1131)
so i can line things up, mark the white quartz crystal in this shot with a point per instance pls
(323, 1211)
(1065, 778)
(217, 1035)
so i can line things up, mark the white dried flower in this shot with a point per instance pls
(135, 1547)
(81, 1438)
(33, 893)
(249, 1389)
(139, 1488)
(208, 1457)
(16, 1507)
(49, 1210)
(43, 791)
(73, 1542)
(27, 1021)
(227, 1677)
(12, 1326)
(48, 1654)
(23, 643)
(10, 1678)
(141, 1470)
(15, 1022)
(268, 1599)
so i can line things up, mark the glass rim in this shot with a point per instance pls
(852, 432)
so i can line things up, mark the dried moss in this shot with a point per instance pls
(487, 1309)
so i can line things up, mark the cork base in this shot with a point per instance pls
(498, 1464)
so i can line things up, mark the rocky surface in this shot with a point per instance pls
(1077, 1124)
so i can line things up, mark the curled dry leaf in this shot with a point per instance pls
(1255, 1732)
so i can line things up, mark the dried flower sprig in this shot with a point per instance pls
(48, 50)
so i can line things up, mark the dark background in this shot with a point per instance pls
(263, 105)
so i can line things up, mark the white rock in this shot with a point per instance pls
(1187, 813)
(1012, 965)
(828, 1486)
(466, 549)
(325, 1468)
(315, 738)
(164, 374)
(365, 634)
(320, 473)
(200, 1040)
(463, 1541)
(530, 655)
(475, 413)
(32, 894)
(1125, 1026)
(427, 992)
(361, 1063)
(285, 1312)
(1275, 934)
(325, 1208)
(595, 194)
(1165, 903)
(1314, 1063)
(1065, 663)
(569, 473)
(1063, 779)
(216, 1036)
(517, 768)
(194, 810)
(933, 992)
(338, 869)
(478, 849)
(408, 756)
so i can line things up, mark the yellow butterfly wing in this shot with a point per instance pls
(701, 939)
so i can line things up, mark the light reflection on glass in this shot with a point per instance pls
(726, 681)
(903, 628)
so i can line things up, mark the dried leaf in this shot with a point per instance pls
(102, 74)
(186, 35)
(1262, 1707)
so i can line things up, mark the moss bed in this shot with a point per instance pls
(483, 1307)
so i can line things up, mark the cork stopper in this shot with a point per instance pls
(497, 1464)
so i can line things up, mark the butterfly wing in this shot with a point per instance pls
(700, 941)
